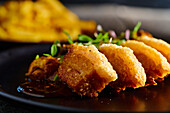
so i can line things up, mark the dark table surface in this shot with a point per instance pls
(111, 16)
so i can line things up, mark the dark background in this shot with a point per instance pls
(138, 3)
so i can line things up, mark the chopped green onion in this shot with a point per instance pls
(37, 57)
(136, 28)
(46, 54)
(55, 77)
(84, 38)
(53, 50)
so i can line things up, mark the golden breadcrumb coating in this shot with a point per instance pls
(154, 63)
(160, 45)
(43, 68)
(86, 70)
(129, 69)
(142, 33)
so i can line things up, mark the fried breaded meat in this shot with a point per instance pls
(154, 63)
(160, 45)
(86, 70)
(129, 69)
(42, 68)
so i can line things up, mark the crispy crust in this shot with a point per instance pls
(42, 68)
(160, 45)
(143, 33)
(129, 69)
(86, 70)
(154, 63)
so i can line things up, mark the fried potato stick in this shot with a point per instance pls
(40, 21)
(129, 69)
(86, 70)
(154, 63)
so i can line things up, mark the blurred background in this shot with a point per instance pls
(122, 14)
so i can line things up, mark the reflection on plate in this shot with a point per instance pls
(14, 64)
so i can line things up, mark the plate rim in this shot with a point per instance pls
(41, 104)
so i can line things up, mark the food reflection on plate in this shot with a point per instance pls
(90, 65)
(40, 21)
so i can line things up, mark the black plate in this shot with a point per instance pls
(14, 64)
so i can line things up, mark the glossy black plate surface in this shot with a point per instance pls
(14, 64)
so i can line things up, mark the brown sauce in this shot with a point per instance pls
(45, 88)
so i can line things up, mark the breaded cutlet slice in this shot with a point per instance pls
(160, 45)
(129, 69)
(154, 63)
(86, 70)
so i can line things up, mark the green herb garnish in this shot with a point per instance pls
(120, 41)
(37, 57)
(60, 58)
(79, 43)
(53, 50)
(70, 41)
(57, 43)
(106, 37)
(55, 77)
(46, 54)
(136, 28)
(84, 38)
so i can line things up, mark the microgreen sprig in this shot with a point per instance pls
(46, 54)
(100, 38)
(53, 50)
(37, 57)
(55, 77)
(84, 38)
(135, 30)
(70, 41)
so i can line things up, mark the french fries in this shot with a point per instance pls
(40, 21)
